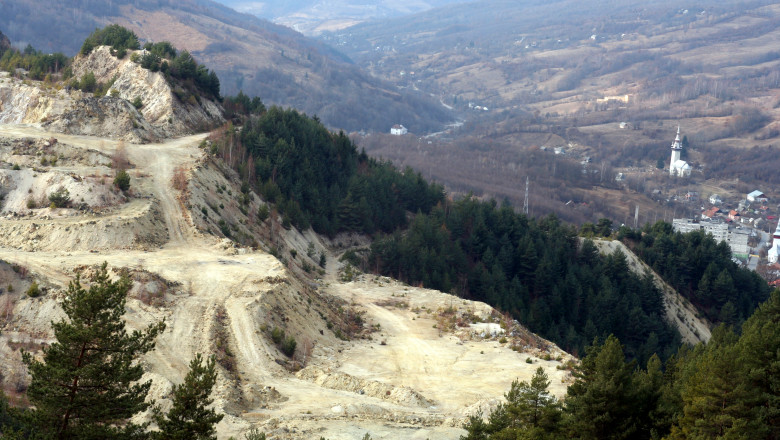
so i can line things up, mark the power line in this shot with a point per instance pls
(525, 202)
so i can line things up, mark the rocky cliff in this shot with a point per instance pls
(162, 114)
(162, 109)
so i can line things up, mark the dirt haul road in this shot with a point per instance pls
(410, 380)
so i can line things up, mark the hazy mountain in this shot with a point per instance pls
(250, 54)
(312, 17)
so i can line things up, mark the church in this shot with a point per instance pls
(677, 166)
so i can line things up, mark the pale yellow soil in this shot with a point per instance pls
(408, 380)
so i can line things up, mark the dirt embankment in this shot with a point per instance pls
(679, 311)
(376, 356)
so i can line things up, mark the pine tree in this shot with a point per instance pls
(533, 409)
(601, 401)
(530, 412)
(87, 385)
(189, 417)
(715, 394)
(760, 359)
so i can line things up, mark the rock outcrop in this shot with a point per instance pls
(167, 115)
(162, 114)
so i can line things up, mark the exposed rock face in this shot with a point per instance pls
(162, 115)
(166, 114)
(21, 103)
(104, 117)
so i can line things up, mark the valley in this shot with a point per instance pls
(604, 88)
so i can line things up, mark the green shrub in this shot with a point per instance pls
(223, 226)
(277, 335)
(137, 103)
(31, 203)
(263, 212)
(288, 346)
(60, 198)
(33, 291)
(254, 434)
(122, 180)
(88, 83)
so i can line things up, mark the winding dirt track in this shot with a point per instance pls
(195, 260)
(454, 375)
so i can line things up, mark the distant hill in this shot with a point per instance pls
(605, 82)
(315, 16)
(256, 56)
(560, 57)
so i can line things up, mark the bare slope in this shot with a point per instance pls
(224, 300)
(679, 311)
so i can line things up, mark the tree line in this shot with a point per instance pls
(538, 270)
(700, 269)
(38, 65)
(727, 388)
(319, 179)
(178, 67)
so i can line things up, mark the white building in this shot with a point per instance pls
(398, 130)
(677, 166)
(738, 242)
(715, 199)
(774, 251)
(736, 239)
(757, 196)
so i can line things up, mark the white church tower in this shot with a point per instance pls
(677, 166)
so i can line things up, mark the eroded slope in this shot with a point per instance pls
(372, 355)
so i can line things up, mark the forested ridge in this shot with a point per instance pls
(700, 269)
(539, 271)
(318, 178)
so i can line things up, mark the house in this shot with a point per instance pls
(398, 130)
(710, 213)
(715, 199)
(691, 196)
(734, 215)
(757, 196)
